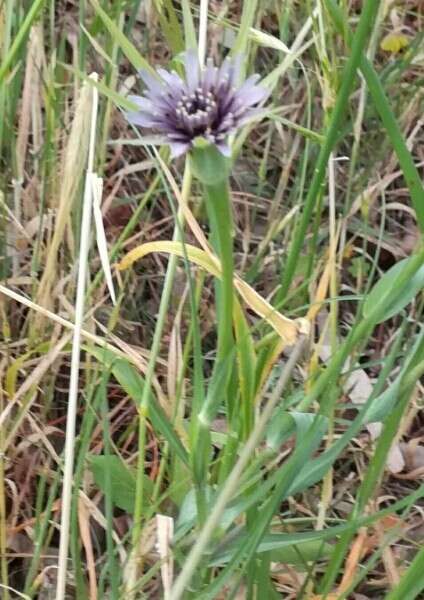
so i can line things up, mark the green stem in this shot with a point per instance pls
(220, 219)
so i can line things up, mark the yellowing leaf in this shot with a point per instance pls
(287, 329)
(194, 254)
(394, 42)
(17, 364)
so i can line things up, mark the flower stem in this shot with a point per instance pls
(220, 219)
(218, 207)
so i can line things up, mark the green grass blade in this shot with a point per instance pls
(348, 79)
(412, 582)
(20, 37)
(247, 21)
(189, 29)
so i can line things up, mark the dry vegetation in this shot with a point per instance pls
(363, 221)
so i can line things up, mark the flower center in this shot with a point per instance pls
(197, 111)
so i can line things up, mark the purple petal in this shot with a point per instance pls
(253, 96)
(178, 148)
(235, 69)
(164, 102)
(173, 80)
(191, 63)
(154, 84)
(143, 119)
(248, 84)
(224, 148)
(209, 76)
(142, 103)
(252, 114)
(250, 93)
(224, 71)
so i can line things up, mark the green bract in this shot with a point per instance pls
(208, 164)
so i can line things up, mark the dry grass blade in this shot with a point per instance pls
(84, 527)
(183, 393)
(69, 325)
(73, 165)
(31, 96)
(31, 382)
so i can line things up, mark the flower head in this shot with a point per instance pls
(209, 103)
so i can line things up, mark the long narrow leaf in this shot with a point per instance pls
(20, 37)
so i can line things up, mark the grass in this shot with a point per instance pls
(258, 380)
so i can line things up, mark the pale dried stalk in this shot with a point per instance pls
(30, 99)
(30, 382)
(75, 360)
(203, 29)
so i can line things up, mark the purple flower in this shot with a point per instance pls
(209, 103)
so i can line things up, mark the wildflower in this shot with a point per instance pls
(394, 42)
(208, 104)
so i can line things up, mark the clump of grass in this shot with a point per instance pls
(248, 411)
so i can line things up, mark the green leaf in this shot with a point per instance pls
(121, 478)
(287, 474)
(246, 22)
(385, 402)
(169, 25)
(284, 424)
(303, 553)
(246, 362)
(133, 383)
(348, 80)
(188, 511)
(273, 542)
(388, 292)
(295, 548)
